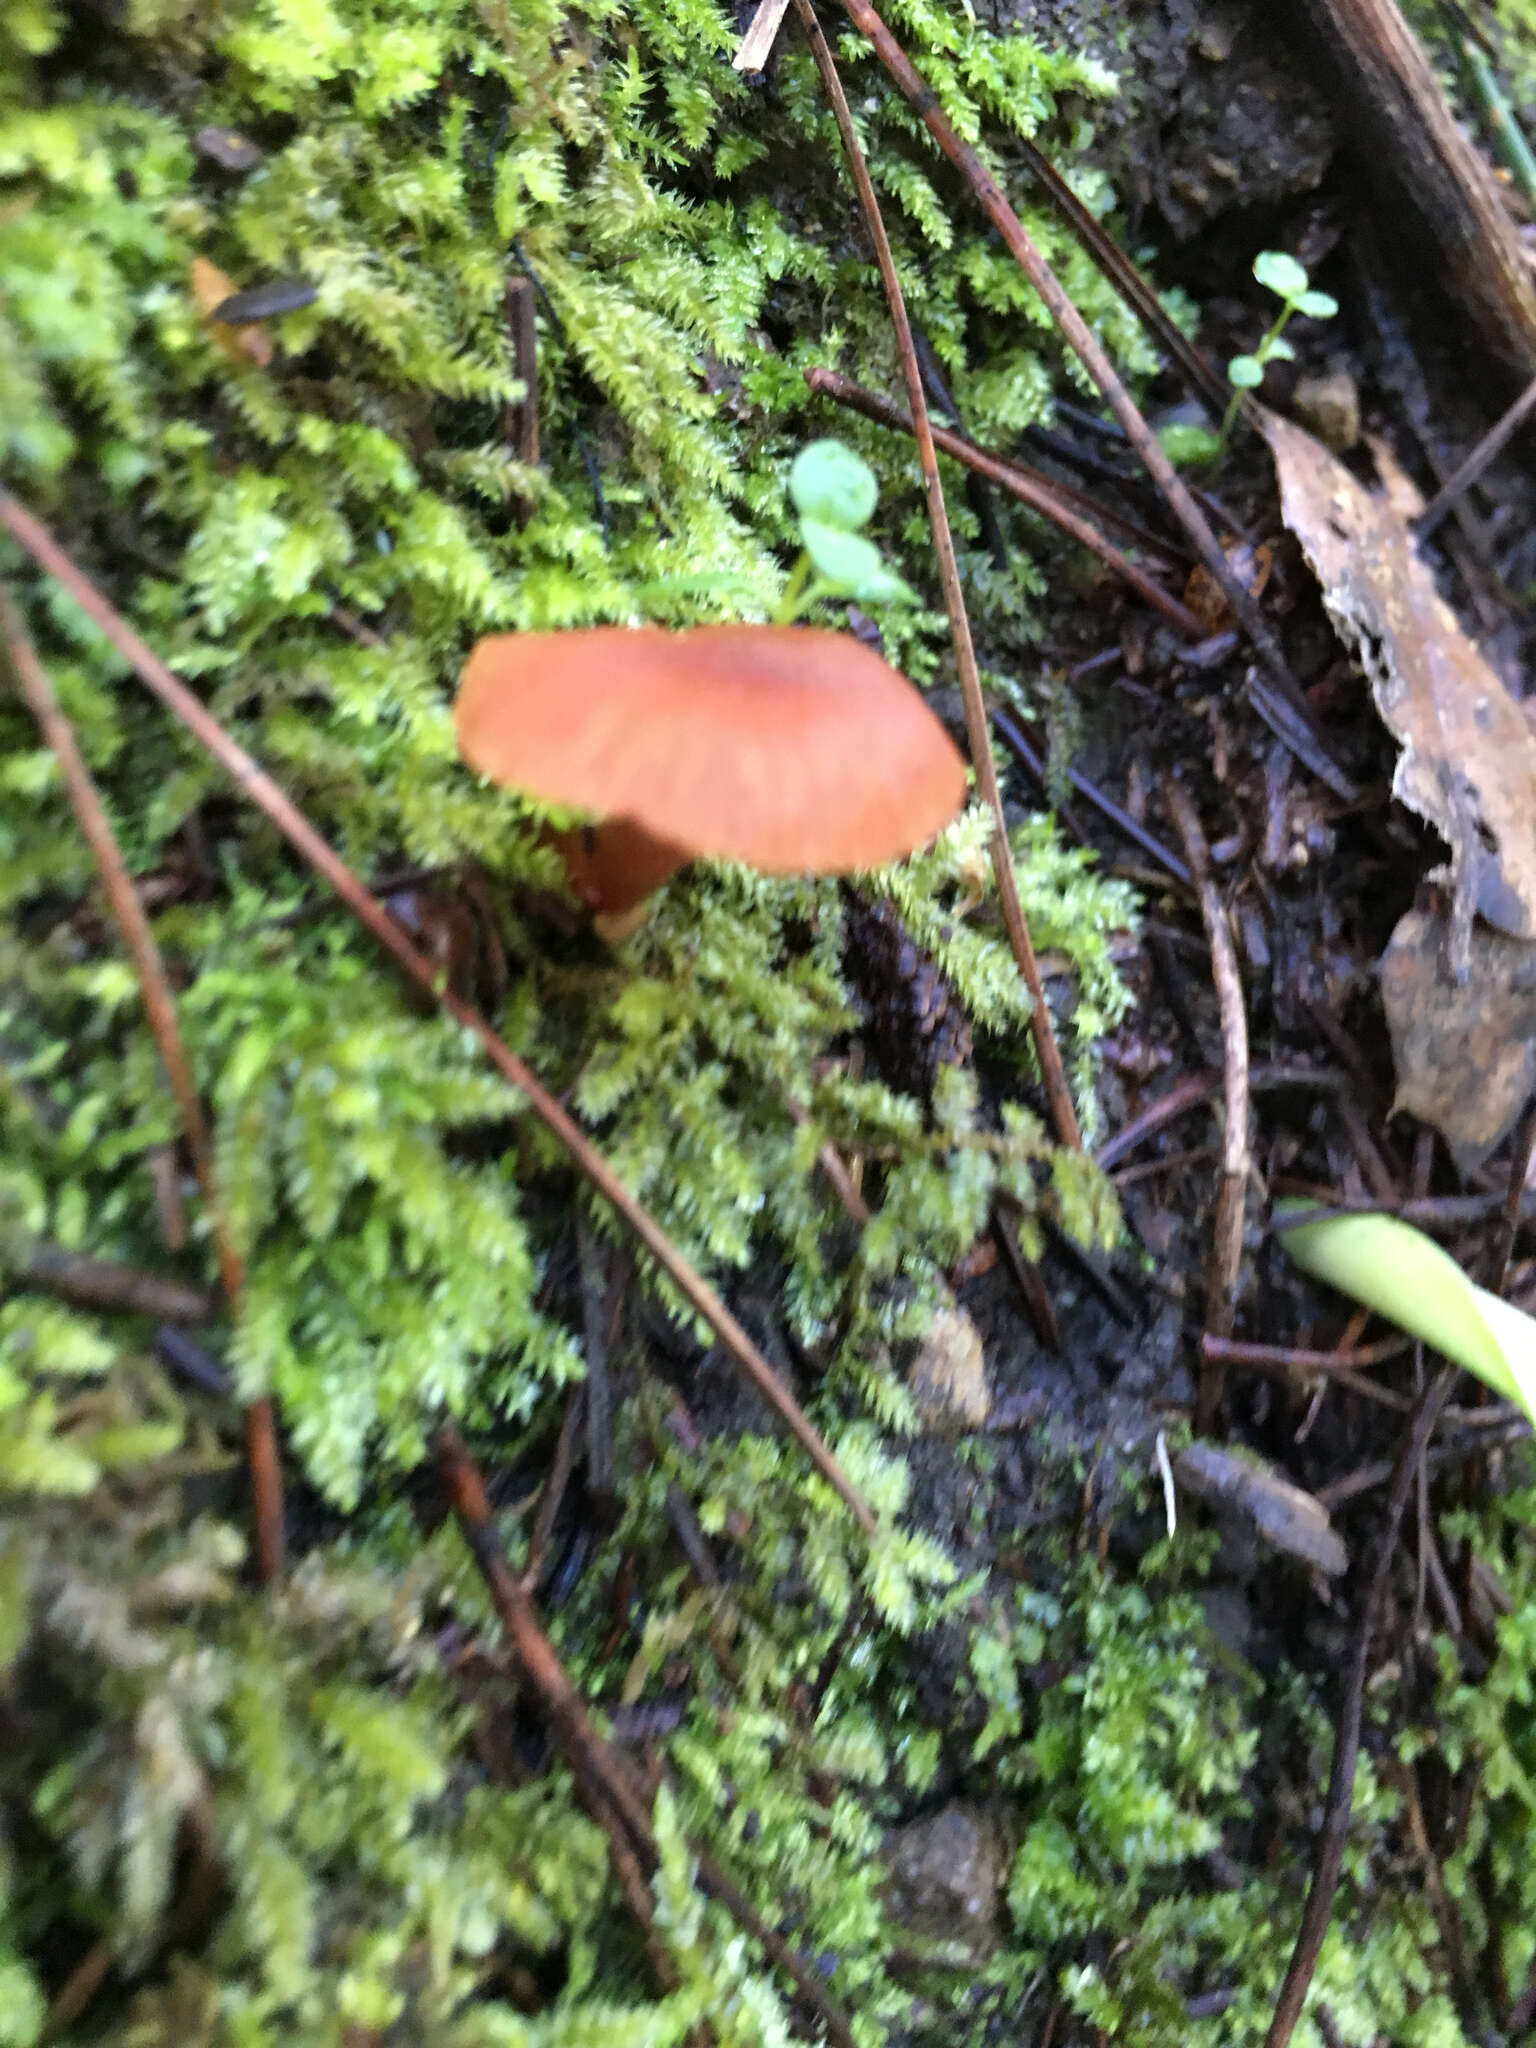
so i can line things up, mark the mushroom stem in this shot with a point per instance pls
(617, 863)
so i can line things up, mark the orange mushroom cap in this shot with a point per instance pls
(792, 749)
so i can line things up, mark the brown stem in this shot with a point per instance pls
(1203, 381)
(1071, 510)
(298, 831)
(1079, 338)
(1346, 1747)
(160, 1009)
(104, 1284)
(1052, 1073)
(600, 1772)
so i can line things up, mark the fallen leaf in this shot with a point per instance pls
(1464, 1050)
(948, 1377)
(211, 289)
(1204, 596)
(1468, 759)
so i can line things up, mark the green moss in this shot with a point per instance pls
(233, 508)
(405, 1223)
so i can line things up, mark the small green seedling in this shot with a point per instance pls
(834, 492)
(1396, 1270)
(1286, 278)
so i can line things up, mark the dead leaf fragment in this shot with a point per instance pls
(1205, 597)
(948, 1377)
(1468, 759)
(211, 289)
(1464, 1050)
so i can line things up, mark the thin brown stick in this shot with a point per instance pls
(1080, 339)
(523, 414)
(298, 831)
(1467, 473)
(1232, 1188)
(1071, 510)
(103, 1284)
(1202, 379)
(1509, 1218)
(605, 1784)
(602, 1774)
(1052, 1073)
(599, 1772)
(1294, 1364)
(1194, 1089)
(160, 1009)
(835, 1167)
(552, 1492)
(1341, 1780)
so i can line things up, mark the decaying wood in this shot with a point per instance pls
(1394, 110)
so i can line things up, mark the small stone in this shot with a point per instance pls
(1330, 408)
(948, 1377)
(946, 1873)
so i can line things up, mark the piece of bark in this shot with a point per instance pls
(1408, 140)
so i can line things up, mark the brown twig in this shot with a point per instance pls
(1105, 806)
(1467, 473)
(104, 1284)
(1062, 506)
(1232, 1188)
(604, 1778)
(522, 419)
(835, 1167)
(160, 1009)
(1027, 1277)
(1293, 1363)
(601, 1294)
(612, 1798)
(552, 1492)
(298, 831)
(1081, 340)
(1203, 381)
(1509, 1218)
(1430, 1212)
(1194, 1089)
(1341, 1781)
(1052, 1073)
(523, 413)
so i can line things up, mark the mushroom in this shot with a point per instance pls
(790, 748)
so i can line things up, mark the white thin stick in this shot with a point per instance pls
(759, 38)
(1165, 1472)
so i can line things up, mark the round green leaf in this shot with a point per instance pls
(850, 566)
(1279, 273)
(1183, 442)
(1246, 372)
(1279, 350)
(828, 482)
(1317, 305)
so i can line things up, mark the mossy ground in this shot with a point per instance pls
(313, 1816)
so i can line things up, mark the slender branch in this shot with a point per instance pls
(1052, 1073)
(1072, 511)
(599, 1770)
(104, 1284)
(1079, 338)
(1467, 472)
(1205, 382)
(300, 834)
(160, 1009)
(1346, 1747)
